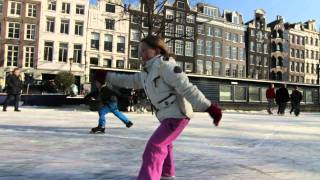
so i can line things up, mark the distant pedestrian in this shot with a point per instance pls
(13, 89)
(282, 98)
(296, 98)
(131, 101)
(271, 95)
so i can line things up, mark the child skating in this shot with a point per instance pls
(171, 95)
(106, 97)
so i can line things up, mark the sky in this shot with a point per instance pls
(291, 10)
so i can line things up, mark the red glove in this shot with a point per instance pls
(215, 113)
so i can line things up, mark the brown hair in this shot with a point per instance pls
(157, 42)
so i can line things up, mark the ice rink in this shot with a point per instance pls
(41, 143)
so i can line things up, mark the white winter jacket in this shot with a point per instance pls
(167, 87)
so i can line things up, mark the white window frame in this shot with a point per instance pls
(209, 48)
(14, 59)
(189, 46)
(179, 31)
(64, 52)
(51, 21)
(51, 4)
(179, 47)
(80, 9)
(135, 35)
(76, 58)
(16, 29)
(48, 48)
(17, 8)
(33, 9)
(29, 56)
(30, 32)
(64, 24)
(79, 28)
(65, 8)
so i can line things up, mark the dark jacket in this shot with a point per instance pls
(13, 85)
(270, 94)
(101, 97)
(296, 96)
(282, 95)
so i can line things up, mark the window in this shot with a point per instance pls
(241, 37)
(95, 40)
(180, 5)
(297, 67)
(234, 70)
(14, 30)
(135, 35)
(134, 51)
(227, 51)
(258, 61)
(1, 6)
(110, 8)
(80, 9)
(312, 54)
(189, 49)
(259, 47)
(120, 64)
(52, 5)
(235, 37)
(169, 30)
(15, 8)
(217, 32)
(50, 24)
(48, 51)
(190, 19)
(234, 53)
(265, 48)
(292, 66)
(292, 39)
(225, 93)
(265, 62)
(12, 55)
(32, 10)
(31, 31)
(64, 28)
(179, 31)
(79, 29)
(107, 63)
(252, 46)
(251, 60)
(65, 8)
(241, 54)
(292, 52)
(110, 24)
(208, 69)
(254, 94)
(307, 54)
(252, 33)
(217, 49)
(200, 66)
(210, 31)
(94, 61)
(228, 36)
(189, 32)
(208, 48)
(135, 19)
(180, 16)
(121, 44)
(77, 53)
(179, 47)
(63, 52)
(240, 94)
(200, 47)
(242, 72)
(108, 42)
(188, 67)
(200, 29)
(228, 70)
(217, 66)
(29, 56)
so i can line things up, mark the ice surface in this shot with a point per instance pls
(43, 143)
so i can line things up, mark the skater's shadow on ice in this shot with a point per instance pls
(49, 129)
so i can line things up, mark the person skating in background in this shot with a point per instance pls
(106, 97)
(171, 95)
(296, 98)
(282, 98)
(271, 95)
(131, 101)
(13, 89)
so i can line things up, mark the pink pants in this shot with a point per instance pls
(158, 155)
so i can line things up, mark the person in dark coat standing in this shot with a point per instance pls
(296, 98)
(271, 95)
(13, 89)
(282, 98)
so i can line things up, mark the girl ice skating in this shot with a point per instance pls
(106, 97)
(170, 94)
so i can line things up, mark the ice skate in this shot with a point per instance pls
(97, 130)
(167, 177)
(129, 124)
